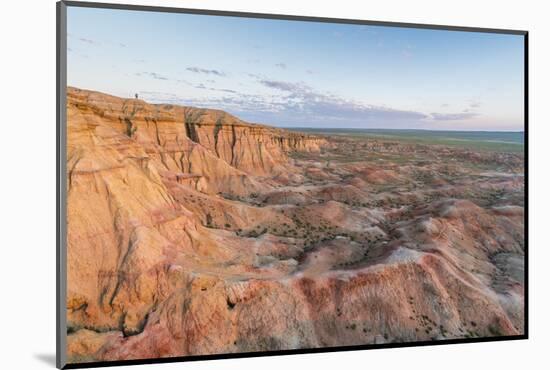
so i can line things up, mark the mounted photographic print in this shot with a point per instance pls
(235, 184)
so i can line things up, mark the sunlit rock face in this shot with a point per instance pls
(192, 232)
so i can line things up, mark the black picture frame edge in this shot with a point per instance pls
(61, 185)
(225, 356)
(289, 17)
(526, 183)
(61, 171)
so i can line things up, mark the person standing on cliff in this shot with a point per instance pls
(136, 95)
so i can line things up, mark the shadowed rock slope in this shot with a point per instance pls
(193, 232)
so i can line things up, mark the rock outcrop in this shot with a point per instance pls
(128, 163)
(186, 140)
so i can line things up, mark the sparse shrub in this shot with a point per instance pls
(494, 331)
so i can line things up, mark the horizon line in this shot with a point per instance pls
(397, 129)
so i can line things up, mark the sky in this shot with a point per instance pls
(302, 74)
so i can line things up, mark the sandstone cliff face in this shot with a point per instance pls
(255, 149)
(190, 141)
(127, 162)
(191, 232)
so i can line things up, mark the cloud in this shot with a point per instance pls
(202, 86)
(475, 104)
(237, 102)
(160, 77)
(309, 71)
(284, 86)
(296, 103)
(281, 65)
(453, 116)
(154, 75)
(206, 71)
(306, 104)
(225, 90)
(88, 41)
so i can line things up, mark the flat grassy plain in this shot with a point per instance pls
(494, 141)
